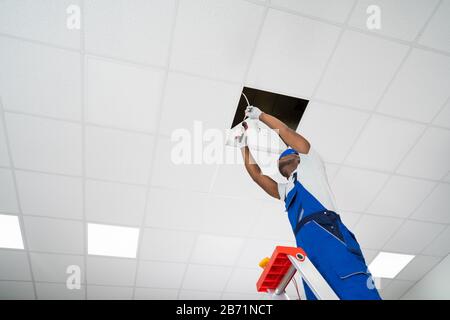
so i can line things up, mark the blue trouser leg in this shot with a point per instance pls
(339, 261)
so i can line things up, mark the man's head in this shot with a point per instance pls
(288, 162)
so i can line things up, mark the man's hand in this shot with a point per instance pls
(289, 136)
(253, 112)
(265, 182)
(241, 141)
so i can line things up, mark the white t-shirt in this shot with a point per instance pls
(312, 175)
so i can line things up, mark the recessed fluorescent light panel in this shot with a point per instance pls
(114, 241)
(388, 265)
(10, 235)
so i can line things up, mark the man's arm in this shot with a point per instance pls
(265, 182)
(289, 136)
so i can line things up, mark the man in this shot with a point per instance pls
(330, 246)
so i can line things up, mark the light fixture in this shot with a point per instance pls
(10, 235)
(115, 241)
(388, 264)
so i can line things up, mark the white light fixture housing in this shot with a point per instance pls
(388, 264)
(10, 235)
(114, 241)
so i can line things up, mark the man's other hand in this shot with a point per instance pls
(241, 141)
(253, 112)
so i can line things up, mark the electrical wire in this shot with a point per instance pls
(296, 288)
(248, 103)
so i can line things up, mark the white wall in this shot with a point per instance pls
(435, 285)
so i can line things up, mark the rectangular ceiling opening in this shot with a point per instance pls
(288, 109)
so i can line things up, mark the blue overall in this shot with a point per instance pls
(330, 246)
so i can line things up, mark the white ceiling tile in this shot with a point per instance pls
(207, 278)
(418, 267)
(369, 255)
(45, 145)
(421, 87)
(199, 295)
(326, 9)
(443, 118)
(65, 200)
(110, 271)
(228, 216)
(155, 294)
(243, 280)
(58, 291)
(402, 19)
(160, 274)
(137, 30)
(8, 199)
(109, 293)
(185, 176)
(4, 154)
(441, 245)
(114, 203)
(13, 290)
(436, 207)
(255, 250)
(121, 95)
(354, 189)
(188, 99)
(32, 79)
(430, 156)
(360, 70)
(14, 265)
(54, 267)
(372, 232)
(44, 21)
(396, 289)
(271, 206)
(166, 245)
(272, 223)
(216, 250)
(383, 143)
(230, 176)
(437, 33)
(332, 170)
(400, 196)
(118, 155)
(381, 284)
(53, 235)
(447, 178)
(288, 58)
(208, 42)
(163, 212)
(350, 219)
(321, 119)
(413, 237)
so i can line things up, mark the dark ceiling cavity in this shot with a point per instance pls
(288, 109)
